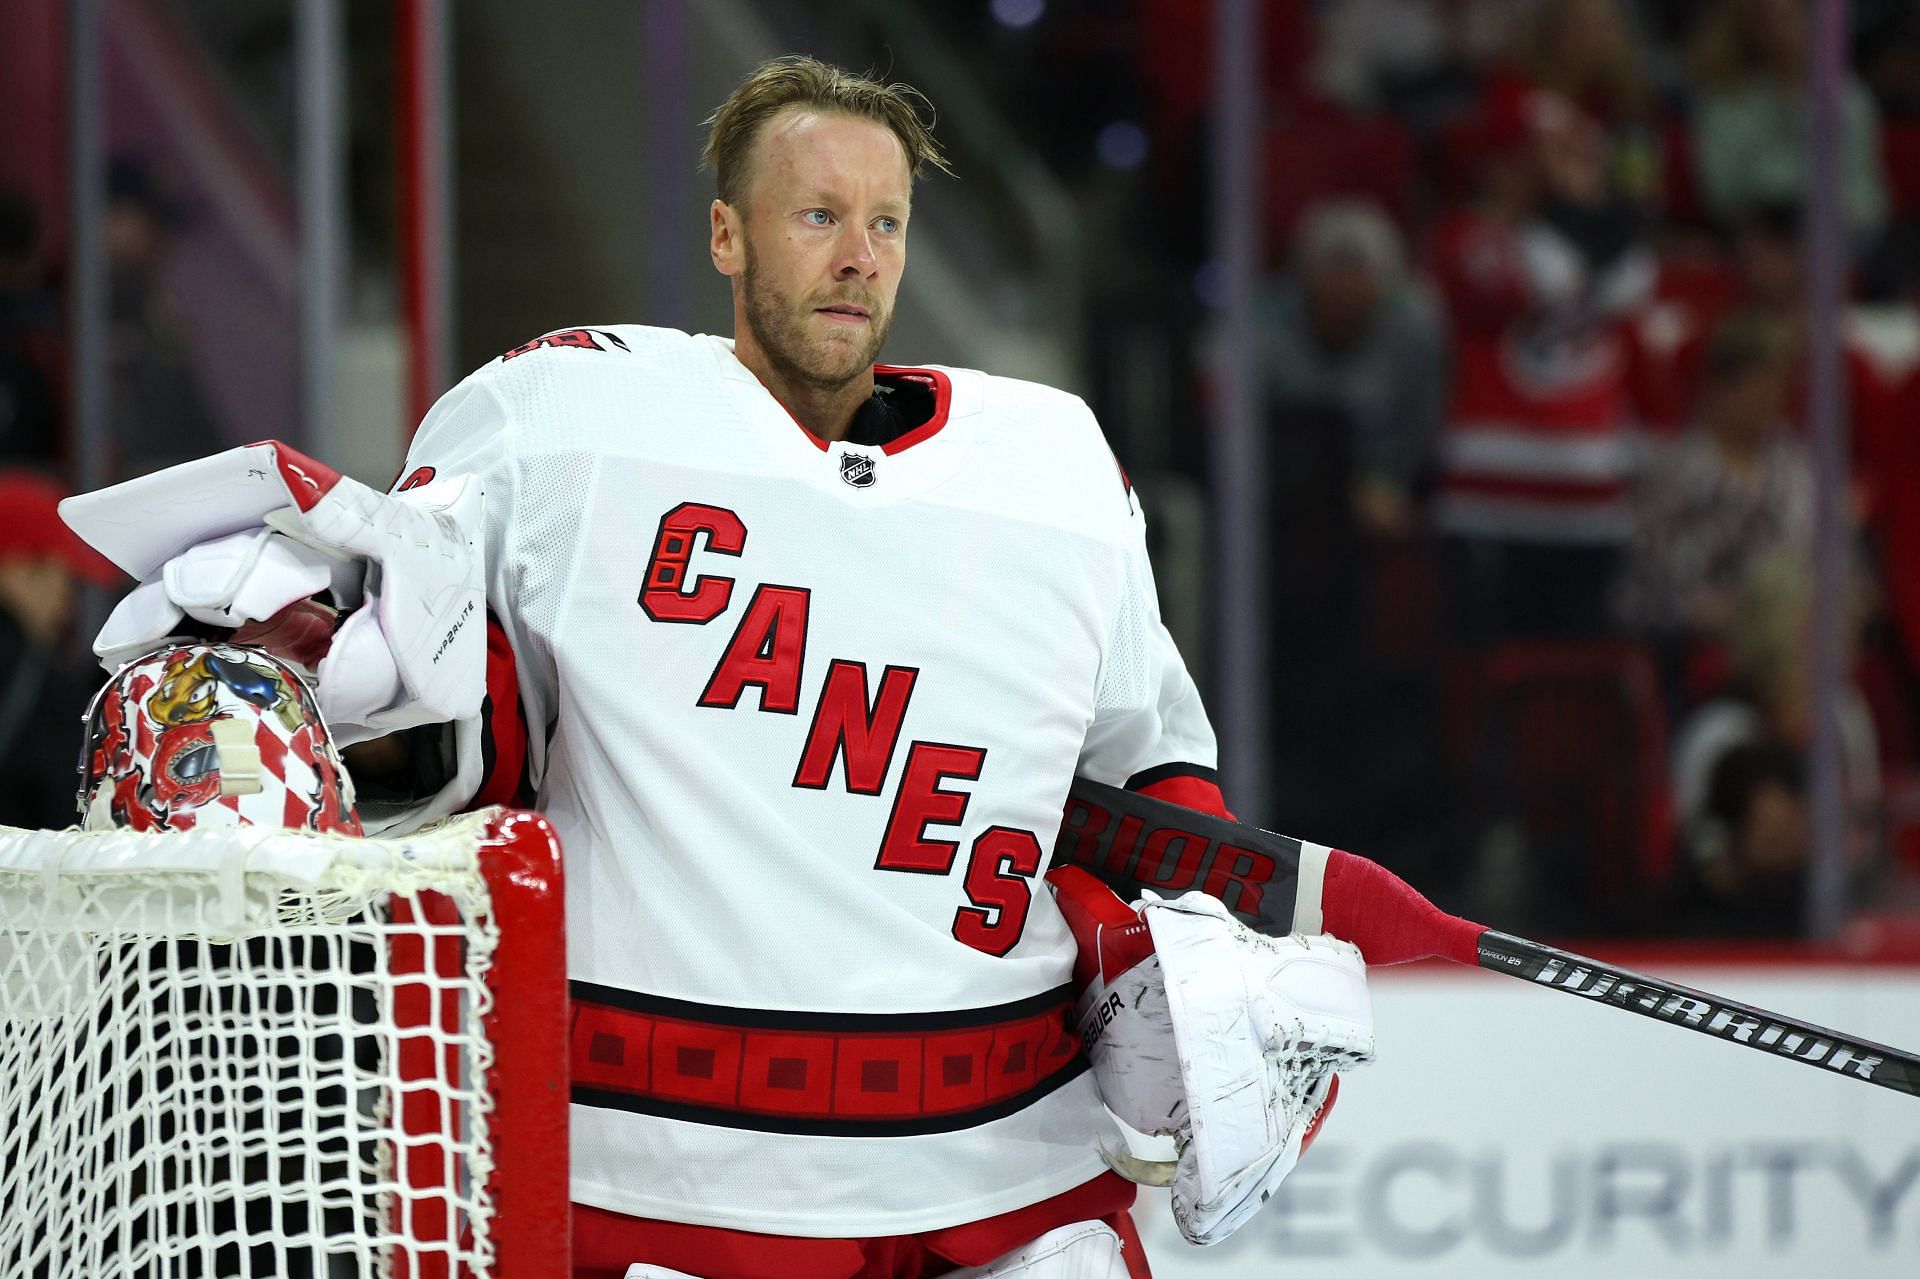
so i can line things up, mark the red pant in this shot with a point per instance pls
(606, 1243)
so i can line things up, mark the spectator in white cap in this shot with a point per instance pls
(1346, 334)
(1353, 388)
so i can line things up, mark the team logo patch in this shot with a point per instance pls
(856, 469)
(582, 339)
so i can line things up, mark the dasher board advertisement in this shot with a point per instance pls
(1507, 1132)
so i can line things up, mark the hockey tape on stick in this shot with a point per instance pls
(1276, 885)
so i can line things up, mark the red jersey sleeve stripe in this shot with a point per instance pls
(504, 778)
(1087, 901)
(1192, 786)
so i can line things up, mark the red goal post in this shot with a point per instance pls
(255, 1052)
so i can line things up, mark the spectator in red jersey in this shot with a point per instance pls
(1749, 61)
(1759, 271)
(1732, 490)
(1539, 446)
(1768, 278)
(41, 695)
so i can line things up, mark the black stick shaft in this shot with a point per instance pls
(1696, 1010)
(1132, 841)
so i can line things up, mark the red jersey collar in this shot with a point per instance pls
(933, 379)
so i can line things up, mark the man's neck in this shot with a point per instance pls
(825, 411)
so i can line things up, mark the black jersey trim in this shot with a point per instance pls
(603, 1099)
(848, 1023)
(1167, 772)
(908, 405)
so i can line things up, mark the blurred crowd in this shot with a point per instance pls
(156, 414)
(1533, 358)
(1532, 352)
(1604, 475)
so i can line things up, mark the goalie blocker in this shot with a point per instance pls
(248, 539)
(1200, 1029)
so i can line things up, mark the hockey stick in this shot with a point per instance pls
(1279, 885)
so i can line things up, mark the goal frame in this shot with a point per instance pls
(507, 897)
(520, 860)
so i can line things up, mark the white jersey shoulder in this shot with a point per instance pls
(1049, 456)
(685, 399)
(504, 392)
(1043, 419)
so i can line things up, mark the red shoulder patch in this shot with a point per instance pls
(581, 339)
(421, 475)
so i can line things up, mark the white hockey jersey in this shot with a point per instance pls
(805, 715)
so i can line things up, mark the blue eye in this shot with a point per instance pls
(888, 225)
(817, 217)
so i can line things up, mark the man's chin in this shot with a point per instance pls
(835, 363)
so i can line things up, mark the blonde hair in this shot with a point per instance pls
(798, 80)
(1767, 640)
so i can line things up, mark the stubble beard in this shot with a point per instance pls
(779, 326)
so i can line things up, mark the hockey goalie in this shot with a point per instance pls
(800, 653)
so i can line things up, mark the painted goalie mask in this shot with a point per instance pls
(198, 735)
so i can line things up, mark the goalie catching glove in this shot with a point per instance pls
(1226, 1040)
(247, 539)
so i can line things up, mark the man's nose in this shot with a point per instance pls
(856, 253)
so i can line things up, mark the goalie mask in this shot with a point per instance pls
(197, 735)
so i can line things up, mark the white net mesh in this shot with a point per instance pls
(244, 1053)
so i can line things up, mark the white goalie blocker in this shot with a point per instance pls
(244, 536)
(1226, 1040)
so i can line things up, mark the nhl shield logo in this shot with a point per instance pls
(856, 469)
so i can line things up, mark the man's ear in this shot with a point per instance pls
(728, 245)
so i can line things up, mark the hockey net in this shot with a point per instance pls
(252, 1052)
